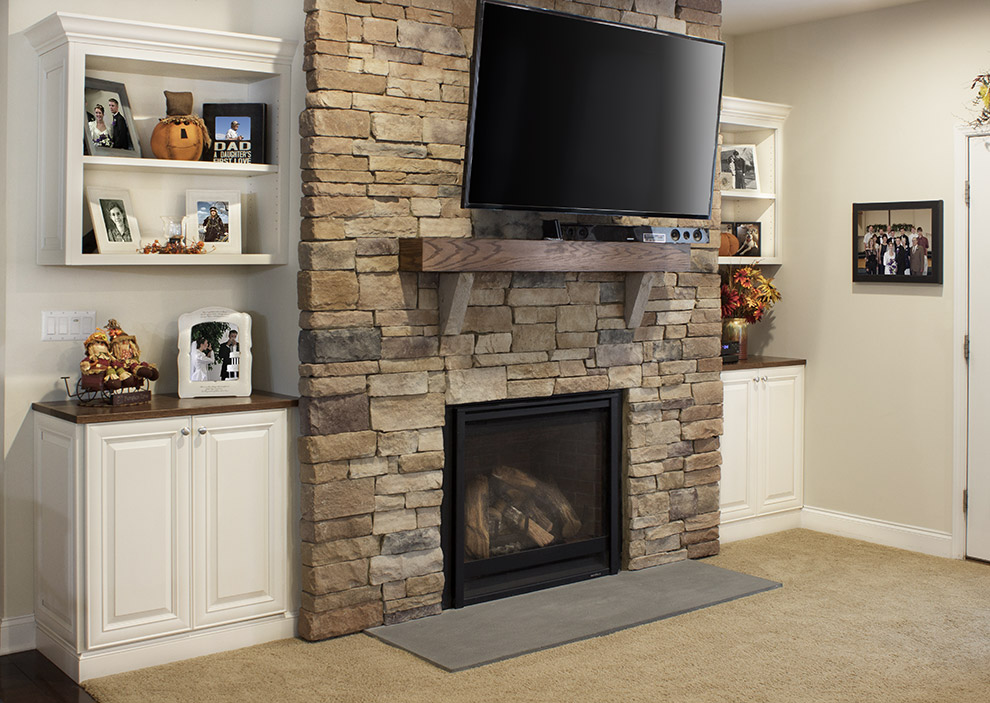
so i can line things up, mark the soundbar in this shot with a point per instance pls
(553, 229)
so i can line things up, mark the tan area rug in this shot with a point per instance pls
(853, 622)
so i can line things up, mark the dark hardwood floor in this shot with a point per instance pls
(27, 677)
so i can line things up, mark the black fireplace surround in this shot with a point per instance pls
(531, 495)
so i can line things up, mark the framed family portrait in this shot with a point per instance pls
(109, 128)
(214, 353)
(217, 215)
(738, 162)
(897, 242)
(114, 224)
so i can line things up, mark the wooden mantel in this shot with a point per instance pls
(457, 260)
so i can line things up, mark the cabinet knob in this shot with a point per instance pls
(184, 431)
(756, 379)
(764, 379)
(202, 430)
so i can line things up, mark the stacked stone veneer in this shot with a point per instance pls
(383, 145)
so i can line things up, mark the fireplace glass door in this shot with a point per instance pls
(532, 494)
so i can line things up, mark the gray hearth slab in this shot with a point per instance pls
(489, 632)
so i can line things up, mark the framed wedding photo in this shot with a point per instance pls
(214, 353)
(114, 224)
(109, 128)
(897, 242)
(739, 170)
(218, 220)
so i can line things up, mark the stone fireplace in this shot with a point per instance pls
(383, 138)
(531, 494)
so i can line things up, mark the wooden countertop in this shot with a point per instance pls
(761, 362)
(163, 405)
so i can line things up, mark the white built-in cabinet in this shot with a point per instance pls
(148, 59)
(763, 442)
(159, 539)
(760, 124)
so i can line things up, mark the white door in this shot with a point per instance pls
(978, 459)
(137, 516)
(782, 443)
(239, 516)
(737, 490)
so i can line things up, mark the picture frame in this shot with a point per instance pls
(120, 139)
(749, 236)
(238, 131)
(739, 162)
(114, 224)
(208, 364)
(220, 232)
(879, 251)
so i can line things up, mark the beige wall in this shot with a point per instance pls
(146, 301)
(876, 98)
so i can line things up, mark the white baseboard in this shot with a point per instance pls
(890, 534)
(115, 660)
(17, 634)
(759, 526)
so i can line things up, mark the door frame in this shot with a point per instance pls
(960, 328)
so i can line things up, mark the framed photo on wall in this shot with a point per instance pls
(114, 224)
(897, 242)
(214, 353)
(109, 128)
(217, 215)
(739, 171)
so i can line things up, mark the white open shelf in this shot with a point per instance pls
(760, 124)
(217, 67)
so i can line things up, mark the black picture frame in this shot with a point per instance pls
(749, 235)
(250, 147)
(919, 221)
(98, 92)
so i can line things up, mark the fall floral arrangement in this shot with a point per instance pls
(747, 293)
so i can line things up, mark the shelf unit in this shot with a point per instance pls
(149, 59)
(457, 260)
(761, 124)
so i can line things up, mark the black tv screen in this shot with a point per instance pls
(570, 114)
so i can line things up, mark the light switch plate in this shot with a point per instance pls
(67, 325)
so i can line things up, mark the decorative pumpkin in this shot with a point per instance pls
(181, 136)
(728, 245)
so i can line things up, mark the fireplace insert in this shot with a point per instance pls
(531, 494)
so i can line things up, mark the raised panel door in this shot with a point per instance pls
(138, 530)
(240, 497)
(738, 446)
(782, 432)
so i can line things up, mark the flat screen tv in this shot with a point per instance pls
(570, 114)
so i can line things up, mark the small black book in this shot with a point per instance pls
(238, 132)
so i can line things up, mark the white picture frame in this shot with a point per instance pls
(114, 224)
(205, 368)
(739, 162)
(199, 206)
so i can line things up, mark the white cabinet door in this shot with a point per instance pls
(782, 443)
(239, 527)
(763, 441)
(137, 543)
(738, 488)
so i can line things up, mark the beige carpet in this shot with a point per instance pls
(853, 622)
